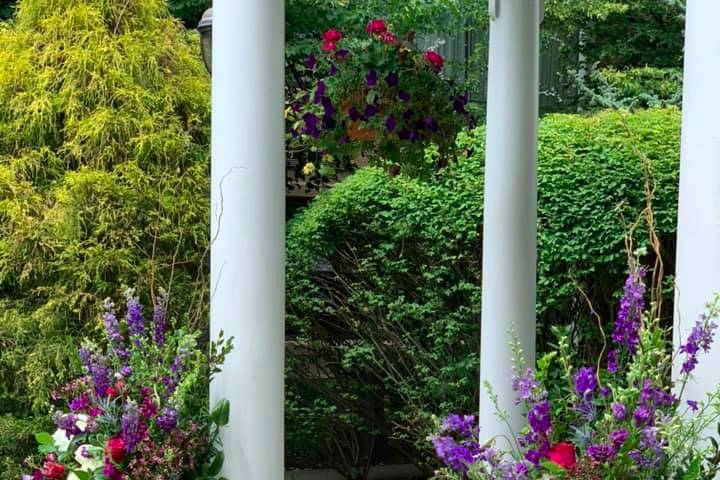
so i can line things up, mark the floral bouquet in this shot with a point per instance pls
(139, 411)
(376, 94)
(623, 419)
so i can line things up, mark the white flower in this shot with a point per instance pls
(87, 460)
(61, 441)
(81, 421)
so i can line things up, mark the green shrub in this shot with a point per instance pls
(104, 129)
(17, 440)
(633, 88)
(384, 273)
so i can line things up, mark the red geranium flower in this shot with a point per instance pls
(329, 47)
(563, 455)
(53, 470)
(332, 36)
(435, 59)
(376, 27)
(389, 38)
(111, 392)
(115, 449)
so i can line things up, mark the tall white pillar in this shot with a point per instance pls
(248, 222)
(698, 249)
(510, 215)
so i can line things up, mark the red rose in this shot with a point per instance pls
(329, 47)
(563, 455)
(115, 449)
(53, 470)
(389, 38)
(376, 27)
(332, 36)
(435, 59)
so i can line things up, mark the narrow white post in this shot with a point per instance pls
(698, 250)
(509, 232)
(248, 222)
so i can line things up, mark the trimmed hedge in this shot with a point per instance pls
(384, 273)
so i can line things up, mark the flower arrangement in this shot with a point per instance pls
(138, 412)
(375, 94)
(622, 419)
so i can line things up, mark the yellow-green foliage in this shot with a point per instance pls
(104, 128)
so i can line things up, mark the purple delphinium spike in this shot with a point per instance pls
(160, 323)
(700, 339)
(112, 330)
(585, 382)
(135, 321)
(627, 325)
(130, 424)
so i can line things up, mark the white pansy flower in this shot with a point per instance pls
(61, 441)
(86, 459)
(81, 421)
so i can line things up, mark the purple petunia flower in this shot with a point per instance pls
(431, 124)
(333, 70)
(372, 78)
(392, 79)
(371, 111)
(311, 125)
(319, 92)
(342, 54)
(311, 62)
(390, 124)
(403, 96)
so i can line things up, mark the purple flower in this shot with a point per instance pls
(390, 124)
(319, 92)
(693, 405)
(700, 339)
(525, 386)
(311, 125)
(136, 323)
(160, 324)
(539, 417)
(585, 382)
(372, 78)
(431, 124)
(168, 419)
(408, 114)
(130, 423)
(100, 373)
(371, 111)
(612, 365)
(533, 456)
(392, 79)
(619, 411)
(642, 416)
(404, 134)
(403, 96)
(311, 62)
(453, 454)
(605, 391)
(459, 103)
(464, 425)
(112, 330)
(126, 371)
(601, 453)
(67, 423)
(342, 54)
(333, 70)
(618, 437)
(627, 325)
(80, 403)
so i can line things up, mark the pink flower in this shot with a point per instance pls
(376, 27)
(332, 36)
(563, 455)
(435, 59)
(389, 38)
(329, 47)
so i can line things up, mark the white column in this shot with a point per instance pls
(698, 250)
(248, 222)
(510, 216)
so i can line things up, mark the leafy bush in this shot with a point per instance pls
(633, 88)
(104, 128)
(17, 438)
(384, 273)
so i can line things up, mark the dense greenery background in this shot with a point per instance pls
(104, 131)
(384, 275)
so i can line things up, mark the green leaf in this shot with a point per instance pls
(44, 438)
(221, 413)
(82, 475)
(216, 464)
